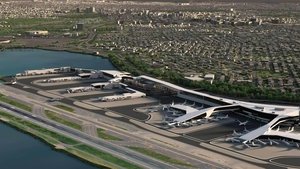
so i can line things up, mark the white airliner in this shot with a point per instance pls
(164, 107)
(212, 119)
(232, 139)
(290, 129)
(236, 133)
(243, 123)
(261, 142)
(171, 124)
(286, 142)
(278, 128)
(194, 122)
(246, 145)
(115, 80)
(223, 117)
(200, 121)
(186, 124)
(253, 144)
(272, 141)
(246, 130)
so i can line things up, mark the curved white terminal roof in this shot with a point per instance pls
(187, 109)
(209, 111)
(116, 73)
(282, 112)
(264, 108)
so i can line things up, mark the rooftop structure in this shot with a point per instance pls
(37, 33)
(275, 113)
(184, 108)
(114, 73)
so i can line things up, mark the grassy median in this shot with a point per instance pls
(102, 134)
(76, 148)
(107, 157)
(61, 106)
(159, 156)
(55, 117)
(15, 103)
(35, 129)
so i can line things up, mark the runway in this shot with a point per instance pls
(92, 141)
(129, 113)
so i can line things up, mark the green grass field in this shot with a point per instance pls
(53, 116)
(18, 122)
(15, 103)
(159, 156)
(107, 157)
(102, 134)
(85, 152)
(67, 108)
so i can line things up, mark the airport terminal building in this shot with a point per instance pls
(272, 115)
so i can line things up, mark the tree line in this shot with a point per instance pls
(136, 66)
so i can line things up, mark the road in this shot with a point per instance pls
(121, 152)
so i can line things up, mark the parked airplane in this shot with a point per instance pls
(286, 142)
(171, 124)
(186, 124)
(222, 117)
(243, 123)
(272, 141)
(260, 141)
(246, 130)
(115, 80)
(212, 118)
(236, 133)
(291, 129)
(245, 144)
(232, 139)
(194, 121)
(253, 144)
(200, 121)
(165, 108)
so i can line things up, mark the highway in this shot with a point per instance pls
(121, 152)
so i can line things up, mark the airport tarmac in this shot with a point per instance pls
(64, 86)
(39, 77)
(31, 80)
(225, 129)
(261, 151)
(68, 82)
(181, 139)
(288, 161)
(86, 95)
(128, 112)
(126, 102)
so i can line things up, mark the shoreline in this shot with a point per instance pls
(51, 145)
